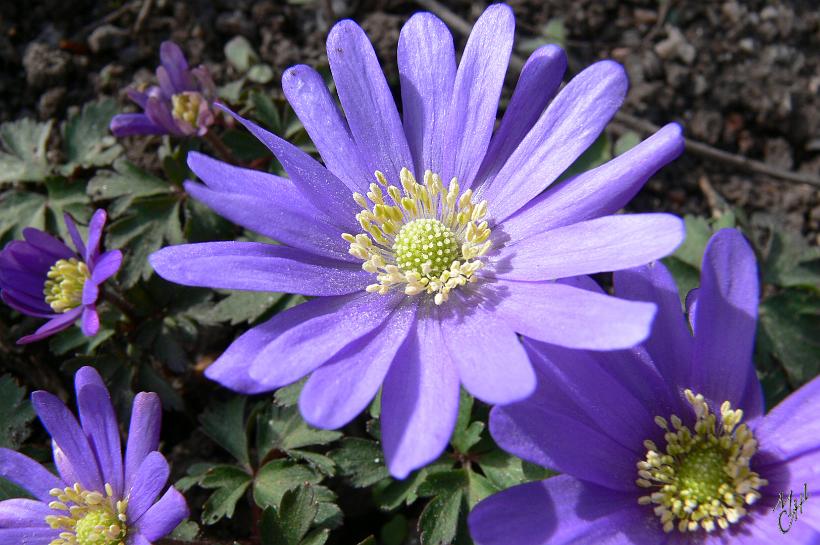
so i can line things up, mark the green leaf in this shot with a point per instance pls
(698, 232)
(288, 396)
(283, 429)
(126, 182)
(88, 141)
(686, 276)
(277, 477)
(791, 262)
(266, 111)
(444, 482)
(791, 320)
(230, 483)
(319, 536)
(240, 53)
(9, 490)
(260, 73)
(187, 530)
(225, 424)
(67, 196)
(361, 461)
(18, 210)
(15, 413)
(292, 520)
(317, 461)
(395, 531)
(439, 520)
(369, 541)
(502, 469)
(239, 307)
(626, 142)
(24, 158)
(478, 488)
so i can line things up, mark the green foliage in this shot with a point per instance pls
(88, 142)
(24, 158)
(15, 413)
(291, 522)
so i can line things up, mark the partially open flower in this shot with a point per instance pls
(181, 105)
(100, 497)
(43, 277)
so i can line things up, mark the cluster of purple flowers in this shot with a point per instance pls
(430, 244)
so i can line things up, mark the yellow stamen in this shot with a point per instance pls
(63, 288)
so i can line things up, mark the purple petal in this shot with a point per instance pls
(258, 266)
(159, 113)
(66, 432)
(67, 472)
(491, 362)
(136, 538)
(427, 71)
(27, 536)
(91, 321)
(106, 266)
(537, 85)
(22, 302)
(95, 230)
(572, 317)
(91, 291)
(570, 124)
(725, 322)
(318, 185)
(25, 257)
(477, 88)
(367, 101)
(47, 244)
(592, 246)
(123, 125)
(75, 234)
(267, 204)
(165, 515)
(563, 511)
(54, 325)
(100, 426)
(176, 66)
(148, 482)
(28, 474)
(143, 433)
(670, 344)
(342, 388)
(23, 513)
(140, 97)
(419, 400)
(597, 192)
(792, 428)
(307, 93)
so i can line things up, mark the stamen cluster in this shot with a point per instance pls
(91, 519)
(429, 240)
(63, 289)
(703, 479)
(186, 106)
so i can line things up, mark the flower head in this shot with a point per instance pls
(181, 105)
(100, 497)
(428, 241)
(40, 276)
(666, 443)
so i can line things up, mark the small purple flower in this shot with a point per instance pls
(181, 105)
(99, 498)
(43, 277)
(666, 443)
(422, 277)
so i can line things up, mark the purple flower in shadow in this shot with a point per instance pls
(666, 443)
(181, 105)
(40, 276)
(99, 498)
(423, 275)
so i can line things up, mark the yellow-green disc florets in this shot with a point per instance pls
(186, 106)
(702, 480)
(63, 288)
(91, 518)
(425, 237)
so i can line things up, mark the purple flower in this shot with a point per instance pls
(100, 498)
(666, 443)
(422, 277)
(43, 277)
(180, 106)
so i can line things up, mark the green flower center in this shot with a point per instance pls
(91, 518)
(425, 241)
(186, 107)
(63, 288)
(424, 237)
(702, 479)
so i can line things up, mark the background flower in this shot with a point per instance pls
(593, 411)
(180, 105)
(43, 277)
(100, 497)
(421, 341)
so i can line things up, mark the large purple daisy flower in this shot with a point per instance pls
(181, 105)
(43, 277)
(424, 275)
(666, 443)
(99, 497)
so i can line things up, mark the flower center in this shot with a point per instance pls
(186, 106)
(63, 288)
(703, 479)
(429, 240)
(91, 519)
